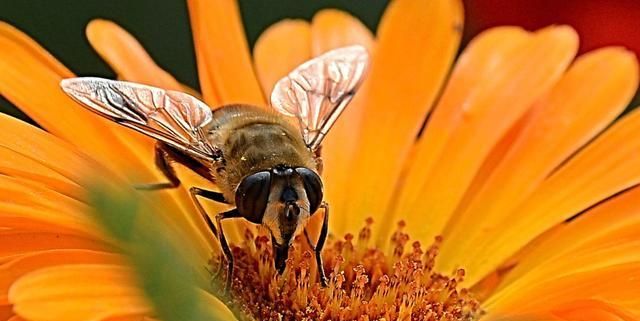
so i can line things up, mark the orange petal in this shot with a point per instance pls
(580, 310)
(126, 56)
(281, 48)
(489, 164)
(32, 84)
(6, 313)
(578, 261)
(224, 63)
(19, 242)
(77, 293)
(332, 29)
(417, 42)
(467, 77)
(605, 167)
(616, 286)
(594, 91)
(612, 224)
(33, 49)
(18, 267)
(592, 310)
(474, 120)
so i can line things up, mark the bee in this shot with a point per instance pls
(265, 166)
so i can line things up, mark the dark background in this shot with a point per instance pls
(162, 26)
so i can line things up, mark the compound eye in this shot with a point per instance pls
(252, 196)
(313, 187)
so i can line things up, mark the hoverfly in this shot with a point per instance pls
(265, 166)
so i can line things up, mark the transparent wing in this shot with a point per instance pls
(318, 90)
(172, 117)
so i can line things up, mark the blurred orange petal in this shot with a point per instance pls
(224, 62)
(18, 267)
(605, 167)
(399, 95)
(281, 48)
(593, 92)
(473, 115)
(42, 147)
(67, 160)
(6, 313)
(20, 191)
(132, 318)
(22, 242)
(77, 292)
(18, 165)
(37, 218)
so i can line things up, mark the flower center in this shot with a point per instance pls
(364, 282)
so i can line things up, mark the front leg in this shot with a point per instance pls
(214, 196)
(216, 228)
(225, 246)
(317, 249)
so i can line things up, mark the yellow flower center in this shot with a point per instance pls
(365, 283)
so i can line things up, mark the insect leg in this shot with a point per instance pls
(214, 196)
(317, 249)
(225, 247)
(165, 156)
(216, 229)
(163, 163)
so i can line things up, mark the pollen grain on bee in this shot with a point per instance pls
(365, 282)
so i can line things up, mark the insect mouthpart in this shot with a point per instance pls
(291, 211)
(291, 208)
(280, 255)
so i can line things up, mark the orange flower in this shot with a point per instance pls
(520, 167)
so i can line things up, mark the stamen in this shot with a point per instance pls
(364, 282)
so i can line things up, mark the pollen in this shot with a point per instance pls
(365, 282)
